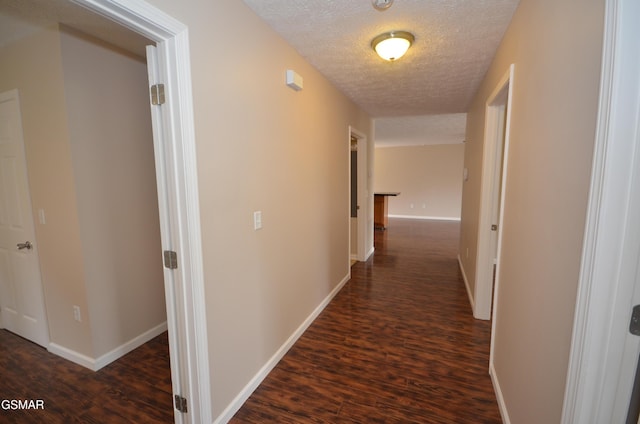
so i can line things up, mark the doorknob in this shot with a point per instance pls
(26, 245)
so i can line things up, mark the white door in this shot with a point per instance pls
(22, 308)
(171, 279)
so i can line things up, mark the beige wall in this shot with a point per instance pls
(113, 162)
(90, 165)
(556, 49)
(429, 179)
(262, 146)
(34, 66)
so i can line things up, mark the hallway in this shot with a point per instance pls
(397, 344)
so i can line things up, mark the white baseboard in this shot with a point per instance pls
(496, 388)
(72, 355)
(253, 384)
(132, 344)
(434, 218)
(95, 364)
(366, 256)
(466, 284)
(369, 253)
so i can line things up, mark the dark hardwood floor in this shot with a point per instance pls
(398, 344)
(134, 389)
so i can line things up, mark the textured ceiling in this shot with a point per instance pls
(420, 130)
(455, 43)
(420, 99)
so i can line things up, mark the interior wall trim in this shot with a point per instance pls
(466, 284)
(502, 406)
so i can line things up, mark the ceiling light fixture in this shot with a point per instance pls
(392, 45)
(381, 5)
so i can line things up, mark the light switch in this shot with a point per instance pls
(257, 220)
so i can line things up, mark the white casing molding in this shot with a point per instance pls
(180, 221)
(364, 197)
(496, 138)
(612, 236)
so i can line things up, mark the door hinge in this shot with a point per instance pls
(634, 325)
(170, 259)
(181, 404)
(157, 94)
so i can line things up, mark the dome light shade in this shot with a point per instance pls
(392, 45)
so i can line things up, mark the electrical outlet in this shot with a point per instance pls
(76, 313)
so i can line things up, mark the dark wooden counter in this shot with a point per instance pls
(381, 209)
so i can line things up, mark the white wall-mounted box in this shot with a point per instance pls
(294, 80)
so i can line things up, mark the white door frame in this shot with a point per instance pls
(363, 192)
(496, 146)
(181, 215)
(353, 255)
(612, 235)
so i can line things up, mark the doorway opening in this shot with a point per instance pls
(97, 198)
(177, 192)
(360, 198)
(173, 131)
(354, 200)
(494, 174)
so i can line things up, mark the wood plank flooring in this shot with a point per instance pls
(398, 344)
(134, 389)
